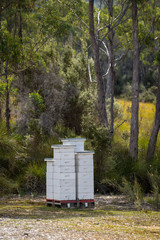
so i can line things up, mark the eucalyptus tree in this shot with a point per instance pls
(103, 37)
(135, 85)
(9, 51)
(155, 21)
(23, 36)
(156, 124)
(100, 84)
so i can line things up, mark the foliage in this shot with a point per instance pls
(12, 152)
(155, 187)
(98, 140)
(133, 191)
(7, 186)
(46, 48)
(34, 178)
(37, 102)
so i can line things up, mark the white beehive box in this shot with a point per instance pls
(64, 168)
(60, 176)
(49, 178)
(84, 175)
(78, 142)
(64, 182)
(64, 152)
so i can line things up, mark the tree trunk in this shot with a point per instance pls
(135, 86)
(156, 126)
(0, 96)
(20, 34)
(111, 64)
(100, 84)
(7, 100)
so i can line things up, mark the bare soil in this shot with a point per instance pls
(114, 217)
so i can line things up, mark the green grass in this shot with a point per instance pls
(97, 222)
(146, 119)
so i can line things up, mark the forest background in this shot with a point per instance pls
(80, 69)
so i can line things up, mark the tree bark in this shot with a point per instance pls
(135, 86)
(156, 125)
(0, 29)
(111, 64)
(100, 85)
(20, 34)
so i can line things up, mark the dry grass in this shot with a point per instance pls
(26, 218)
(146, 119)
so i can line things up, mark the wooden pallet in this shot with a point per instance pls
(61, 203)
(84, 203)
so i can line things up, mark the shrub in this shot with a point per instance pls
(34, 178)
(155, 186)
(98, 139)
(12, 153)
(7, 186)
(133, 191)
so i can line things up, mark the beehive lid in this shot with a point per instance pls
(49, 160)
(73, 140)
(62, 146)
(85, 152)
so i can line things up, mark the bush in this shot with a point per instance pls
(7, 186)
(34, 180)
(133, 191)
(155, 186)
(98, 140)
(12, 153)
(148, 95)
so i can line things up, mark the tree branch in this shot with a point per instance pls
(120, 124)
(85, 24)
(4, 8)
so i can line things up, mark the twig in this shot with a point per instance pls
(120, 124)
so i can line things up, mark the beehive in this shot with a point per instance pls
(84, 175)
(60, 175)
(69, 176)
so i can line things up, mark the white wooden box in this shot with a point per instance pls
(64, 182)
(85, 176)
(64, 169)
(61, 149)
(78, 142)
(50, 196)
(85, 196)
(50, 167)
(64, 176)
(50, 189)
(64, 162)
(49, 175)
(84, 159)
(64, 156)
(85, 189)
(49, 181)
(84, 168)
(64, 189)
(64, 196)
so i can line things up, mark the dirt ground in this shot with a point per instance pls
(113, 217)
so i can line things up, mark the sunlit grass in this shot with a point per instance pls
(103, 223)
(146, 119)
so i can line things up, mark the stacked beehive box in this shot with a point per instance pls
(70, 174)
(84, 177)
(60, 176)
(77, 142)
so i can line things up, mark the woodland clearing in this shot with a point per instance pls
(113, 217)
